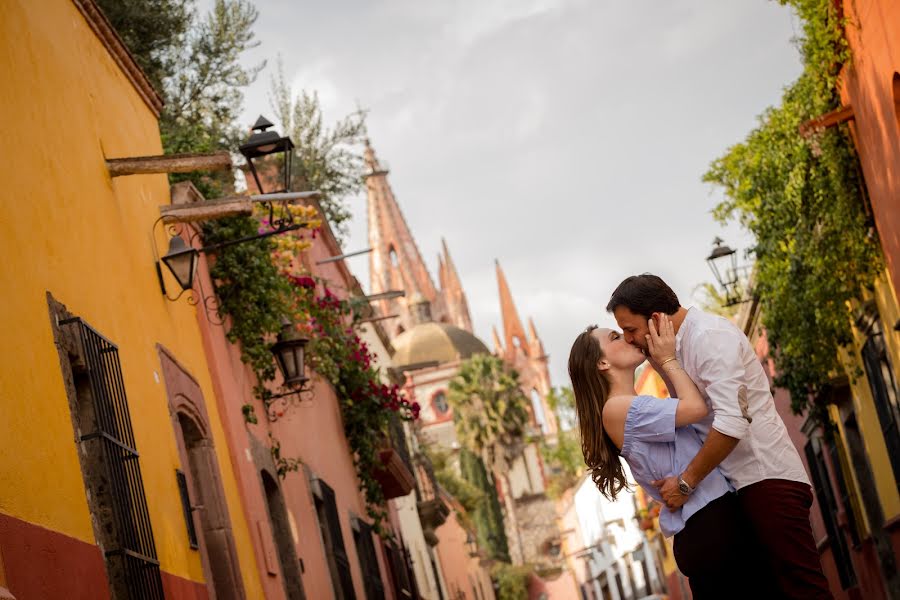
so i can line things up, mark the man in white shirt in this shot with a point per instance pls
(744, 436)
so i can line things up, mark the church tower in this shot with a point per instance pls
(395, 262)
(452, 291)
(526, 354)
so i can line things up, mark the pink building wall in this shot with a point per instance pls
(311, 431)
(462, 572)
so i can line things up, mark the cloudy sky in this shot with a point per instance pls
(565, 138)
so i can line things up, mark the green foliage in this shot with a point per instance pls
(803, 199)
(512, 581)
(251, 291)
(564, 461)
(468, 495)
(563, 458)
(367, 405)
(712, 300)
(194, 61)
(204, 91)
(326, 159)
(561, 401)
(489, 408)
(283, 465)
(153, 30)
(487, 515)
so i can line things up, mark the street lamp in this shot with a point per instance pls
(263, 143)
(181, 261)
(722, 262)
(289, 351)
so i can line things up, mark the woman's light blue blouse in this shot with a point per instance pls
(654, 449)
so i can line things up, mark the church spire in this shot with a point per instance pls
(452, 290)
(395, 261)
(513, 332)
(533, 340)
(498, 345)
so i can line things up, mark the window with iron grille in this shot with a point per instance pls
(880, 374)
(828, 505)
(330, 526)
(187, 508)
(111, 467)
(368, 562)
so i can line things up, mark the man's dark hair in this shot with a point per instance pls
(644, 295)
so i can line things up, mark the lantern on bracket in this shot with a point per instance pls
(722, 262)
(181, 261)
(290, 354)
(261, 145)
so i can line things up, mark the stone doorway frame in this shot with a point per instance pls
(196, 450)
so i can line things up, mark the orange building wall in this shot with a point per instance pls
(873, 32)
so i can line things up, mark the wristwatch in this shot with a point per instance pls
(683, 487)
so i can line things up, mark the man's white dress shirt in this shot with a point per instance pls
(729, 375)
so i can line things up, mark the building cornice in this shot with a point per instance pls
(119, 53)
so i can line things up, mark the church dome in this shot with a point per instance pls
(435, 342)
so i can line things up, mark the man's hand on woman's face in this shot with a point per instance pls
(661, 339)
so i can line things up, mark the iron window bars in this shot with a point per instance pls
(187, 508)
(132, 538)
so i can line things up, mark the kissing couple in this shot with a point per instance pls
(716, 452)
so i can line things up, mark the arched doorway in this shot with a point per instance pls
(200, 483)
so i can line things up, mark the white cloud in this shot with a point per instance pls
(567, 139)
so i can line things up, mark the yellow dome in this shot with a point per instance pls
(435, 342)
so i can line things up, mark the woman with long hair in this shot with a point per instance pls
(712, 545)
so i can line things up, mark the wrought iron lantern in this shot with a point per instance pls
(181, 261)
(290, 354)
(263, 143)
(722, 262)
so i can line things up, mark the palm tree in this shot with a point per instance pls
(490, 410)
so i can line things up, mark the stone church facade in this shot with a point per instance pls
(431, 331)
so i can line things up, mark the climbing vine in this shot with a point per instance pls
(252, 292)
(338, 354)
(803, 198)
(261, 282)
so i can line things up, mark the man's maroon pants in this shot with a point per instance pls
(778, 511)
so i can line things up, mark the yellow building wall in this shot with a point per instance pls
(864, 405)
(68, 229)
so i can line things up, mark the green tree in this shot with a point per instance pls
(490, 410)
(153, 30)
(711, 300)
(195, 63)
(563, 456)
(803, 198)
(448, 476)
(487, 515)
(327, 159)
(512, 581)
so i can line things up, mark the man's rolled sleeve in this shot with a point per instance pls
(722, 372)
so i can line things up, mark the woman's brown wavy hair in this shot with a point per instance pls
(591, 389)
